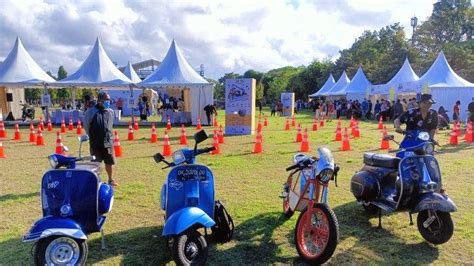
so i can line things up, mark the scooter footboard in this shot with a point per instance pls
(185, 218)
(49, 226)
(435, 201)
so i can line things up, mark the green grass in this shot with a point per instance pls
(249, 185)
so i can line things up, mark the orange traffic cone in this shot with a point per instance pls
(214, 123)
(2, 152)
(41, 124)
(71, 125)
(17, 135)
(457, 128)
(265, 122)
(198, 125)
(293, 122)
(453, 140)
(315, 124)
(287, 125)
(321, 122)
(32, 127)
(79, 128)
(154, 138)
(130, 132)
(356, 133)
(39, 138)
(63, 126)
(183, 140)
(216, 143)
(351, 122)
(338, 134)
(168, 124)
(117, 147)
(380, 123)
(50, 126)
(32, 135)
(259, 126)
(305, 144)
(166, 145)
(3, 133)
(258, 143)
(221, 135)
(469, 137)
(299, 137)
(135, 125)
(59, 144)
(384, 144)
(346, 146)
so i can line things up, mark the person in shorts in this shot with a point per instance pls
(98, 122)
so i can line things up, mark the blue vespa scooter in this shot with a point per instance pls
(188, 199)
(74, 203)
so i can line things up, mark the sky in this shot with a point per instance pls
(225, 36)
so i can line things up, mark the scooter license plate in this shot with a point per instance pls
(190, 174)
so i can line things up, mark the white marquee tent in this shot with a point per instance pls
(131, 74)
(358, 87)
(403, 81)
(339, 87)
(327, 86)
(176, 75)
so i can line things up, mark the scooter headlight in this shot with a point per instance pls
(428, 148)
(53, 161)
(178, 157)
(65, 210)
(326, 175)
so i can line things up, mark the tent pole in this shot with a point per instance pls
(131, 97)
(45, 86)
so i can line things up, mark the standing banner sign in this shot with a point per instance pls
(45, 100)
(288, 102)
(240, 106)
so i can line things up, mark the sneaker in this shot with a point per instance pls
(113, 183)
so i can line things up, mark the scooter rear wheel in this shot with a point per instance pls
(439, 230)
(190, 248)
(317, 234)
(61, 250)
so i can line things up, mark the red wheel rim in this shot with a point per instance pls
(313, 233)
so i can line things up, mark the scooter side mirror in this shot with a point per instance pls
(65, 148)
(83, 138)
(389, 137)
(200, 136)
(158, 158)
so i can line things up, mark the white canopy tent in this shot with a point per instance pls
(327, 86)
(446, 86)
(17, 71)
(358, 87)
(339, 87)
(404, 81)
(131, 74)
(175, 74)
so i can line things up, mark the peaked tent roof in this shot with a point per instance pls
(131, 74)
(440, 74)
(359, 83)
(174, 69)
(404, 74)
(338, 88)
(20, 68)
(96, 70)
(327, 86)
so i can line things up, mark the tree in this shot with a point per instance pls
(258, 76)
(62, 74)
(51, 75)
(33, 94)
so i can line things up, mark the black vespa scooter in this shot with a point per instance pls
(409, 182)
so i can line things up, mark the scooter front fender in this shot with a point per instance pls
(49, 226)
(184, 218)
(435, 201)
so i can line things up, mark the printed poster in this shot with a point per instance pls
(288, 102)
(240, 106)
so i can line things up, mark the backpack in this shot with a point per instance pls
(223, 230)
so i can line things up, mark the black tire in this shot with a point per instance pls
(332, 238)
(189, 248)
(370, 209)
(287, 211)
(439, 231)
(55, 242)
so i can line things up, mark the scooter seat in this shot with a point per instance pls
(381, 160)
(91, 166)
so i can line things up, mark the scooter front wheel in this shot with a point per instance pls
(435, 227)
(61, 250)
(190, 248)
(317, 234)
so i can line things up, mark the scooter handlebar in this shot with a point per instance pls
(292, 167)
(205, 150)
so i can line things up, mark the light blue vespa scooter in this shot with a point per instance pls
(188, 199)
(74, 203)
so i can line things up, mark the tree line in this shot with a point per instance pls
(380, 53)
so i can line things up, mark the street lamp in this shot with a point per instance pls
(413, 23)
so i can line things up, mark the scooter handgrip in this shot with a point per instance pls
(292, 167)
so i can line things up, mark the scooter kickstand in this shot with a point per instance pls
(411, 219)
(380, 218)
(103, 239)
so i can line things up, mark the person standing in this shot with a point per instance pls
(456, 111)
(274, 104)
(365, 108)
(98, 122)
(369, 110)
(119, 104)
(397, 109)
(210, 109)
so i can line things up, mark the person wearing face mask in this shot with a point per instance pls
(422, 118)
(98, 122)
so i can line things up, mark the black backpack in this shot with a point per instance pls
(223, 230)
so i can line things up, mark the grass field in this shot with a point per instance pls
(249, 185)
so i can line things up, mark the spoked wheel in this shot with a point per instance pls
(435, 227)
(190, 248)
(60, 250)
(317, 234)
(287, 211)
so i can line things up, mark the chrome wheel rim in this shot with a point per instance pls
(62, 251)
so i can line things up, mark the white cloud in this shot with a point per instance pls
(223, 35)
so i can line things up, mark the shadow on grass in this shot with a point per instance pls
(354, 223)
(8, 197)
